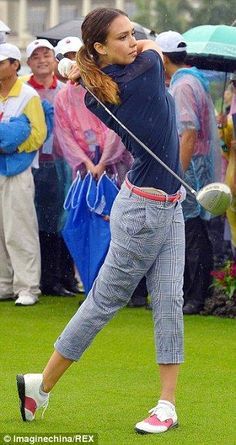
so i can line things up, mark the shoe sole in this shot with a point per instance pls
(148, 432)
(21, 392)
(24, 305)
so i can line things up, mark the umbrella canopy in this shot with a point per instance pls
(64, 29)
(73, 28)
(212, 47)
(143, 33)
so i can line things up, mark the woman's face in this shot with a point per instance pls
(120, 46)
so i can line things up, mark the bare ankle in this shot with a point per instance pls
(45, 387)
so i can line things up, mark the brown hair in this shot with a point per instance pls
(95, 28)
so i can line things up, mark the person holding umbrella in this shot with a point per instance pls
(147, 226)
(199, 150)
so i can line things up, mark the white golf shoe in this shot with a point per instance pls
(31, 395)
(163, 417)
(25, 299)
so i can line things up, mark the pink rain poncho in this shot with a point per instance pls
(78, 131)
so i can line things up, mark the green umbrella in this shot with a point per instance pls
(212, 47)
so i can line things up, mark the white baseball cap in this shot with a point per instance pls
(68, 44)
(39, 43)
(9, 51)
(169, 42)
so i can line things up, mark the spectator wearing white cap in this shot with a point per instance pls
(49, 178)
(68, 48)
(198, 144)
(41, 58)
(19, 242)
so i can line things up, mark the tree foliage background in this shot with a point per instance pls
(180, 15)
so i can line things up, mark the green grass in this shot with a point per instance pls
(115, 382)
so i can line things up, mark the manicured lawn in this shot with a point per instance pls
(115, 382)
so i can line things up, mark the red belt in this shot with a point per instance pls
(160, 198)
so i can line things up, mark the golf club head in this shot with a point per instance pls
(215, 198)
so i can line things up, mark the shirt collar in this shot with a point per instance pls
(15, 90)
(34, 83)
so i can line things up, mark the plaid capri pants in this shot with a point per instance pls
(147, 238)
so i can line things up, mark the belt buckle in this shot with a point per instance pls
(165, 198)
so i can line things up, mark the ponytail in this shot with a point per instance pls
(95, 80)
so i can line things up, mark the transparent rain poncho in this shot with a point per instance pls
(195, 110)
(78, 132)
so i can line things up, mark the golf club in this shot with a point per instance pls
(215, 197)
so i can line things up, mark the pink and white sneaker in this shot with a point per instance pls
(163, 417)
(31, 395)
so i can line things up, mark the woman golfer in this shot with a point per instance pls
(147, 228)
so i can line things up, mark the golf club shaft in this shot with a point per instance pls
(187, 186)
